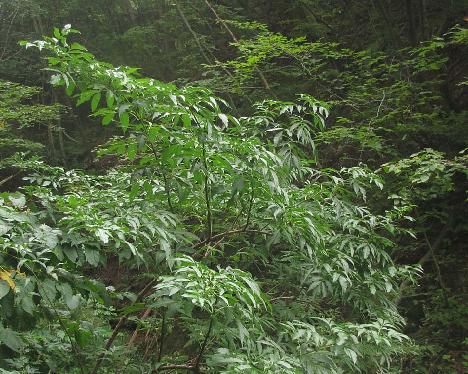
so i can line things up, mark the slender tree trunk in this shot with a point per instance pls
(411, 28)
(195, 37)
(423, 22)
(390, 31)
(62, 147)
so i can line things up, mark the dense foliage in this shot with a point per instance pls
(289, 204)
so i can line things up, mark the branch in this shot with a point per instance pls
(436, 262)
(174, 367)
(234, 38)
(205, 341)
(317, 17)
(166, 183)
(249, 212)
(145, 314)
(187, 24)
(15, 13)
(430, 253)
(228, 233)
(209, 219)
(161, 339)
(119, 325)
(167, 190)
(3, 181)
(371, 122)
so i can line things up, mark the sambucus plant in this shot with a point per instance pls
(243, 256)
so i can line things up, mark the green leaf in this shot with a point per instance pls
(237, 185)
(186, 120)
(95, 101)
(132, 151)
(351, 354)
(11, 339)
(4, 288)
(103, 235)
(77, 46)
(55, 79)
(124, 120)
(18, 200)
(108, 118)
(83, 337)
(70, 88)
(27, 303)
(57, 33)
(85, 96)
(71, 253)
(47, 289)
(110, 98)
(224, 119)
(92, 257)
(73, 302)
(66, 290)
(153, 133)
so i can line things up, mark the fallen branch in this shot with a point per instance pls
(3, 181)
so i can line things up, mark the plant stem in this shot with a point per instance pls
(249, 212)
(167, 191)
(203, 346)
(209, 219)
(166, 182)
(161, 338)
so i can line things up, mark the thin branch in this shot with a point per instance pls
(15, 13)
(432, 247)
(202, 49)
(149, 345)
(67, 135)
(161, 338)
(317, 17)
(371, 122)
(119, 325)
(205, 341)
(3, 181)
(194, 367)
(167, 190)
(61, 322)
(228, 233)
(187, 24)
(132, 340)
(283, 298)
(175, 367)
(209, 218)
(436, 262)
(207, 252)
(166, 183)
(249, 211)
(234, 38)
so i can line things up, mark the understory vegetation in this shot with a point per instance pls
(276, 188)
